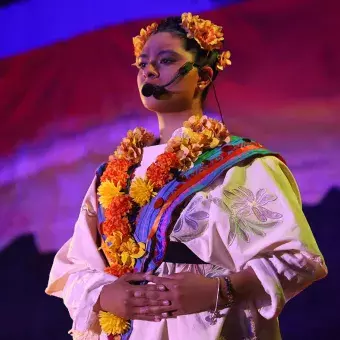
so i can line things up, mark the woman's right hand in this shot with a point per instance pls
(130, 301)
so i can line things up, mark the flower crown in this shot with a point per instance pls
(208, 35)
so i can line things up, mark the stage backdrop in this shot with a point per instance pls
(68, 94)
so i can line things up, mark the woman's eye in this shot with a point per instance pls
(141, 65)
(167, 61)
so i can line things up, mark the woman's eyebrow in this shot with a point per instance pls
(160, 53)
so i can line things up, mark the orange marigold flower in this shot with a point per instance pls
(130, 151)
(208, 35)
(140, 40)
(158, 175)
(168, 159)
(201, 124)
(116, 224)
(186, 152)
(119, 207)
(118, 270)
(140, 137)
(117, 171)
(193, 123)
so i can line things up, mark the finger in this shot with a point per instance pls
(153, 318)
(171, 276)
(159, 303)
(160, 295)
(134, 277)
(174, 276)
(160, 280)
(152, 310)
(141, 291)
(142, 302)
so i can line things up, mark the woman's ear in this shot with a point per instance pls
(205, 77)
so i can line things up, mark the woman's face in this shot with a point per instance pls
(162, 56)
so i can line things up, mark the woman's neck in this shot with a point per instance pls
(169, 122)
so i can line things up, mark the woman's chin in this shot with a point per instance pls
(161, 104)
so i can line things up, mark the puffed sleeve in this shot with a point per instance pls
(253, 218)
(77, 275)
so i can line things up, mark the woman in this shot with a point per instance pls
(212, 222)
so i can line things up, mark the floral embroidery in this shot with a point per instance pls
(247, 213)
(192, 223)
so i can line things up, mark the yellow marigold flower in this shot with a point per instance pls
(131, 250)
(107, 191)
(186, 152)
(223, 60)
(140, 136)
(112, 324)
(195, 137)
(111, 256)
(141, 191)
(115, 240)
(111, 246)
(210, 138)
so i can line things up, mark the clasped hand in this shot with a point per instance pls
(168, 296)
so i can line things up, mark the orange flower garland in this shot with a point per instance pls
(117, 171)
(144, 34)
(208, 35)
(121, 202)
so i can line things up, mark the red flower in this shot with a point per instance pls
(119, 207)
(168, 159)
(118, 270)
(158, 175)
(117, 171)
(116, 224)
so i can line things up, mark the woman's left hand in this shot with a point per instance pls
(188, 293)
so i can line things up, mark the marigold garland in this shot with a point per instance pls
(141, 191)
(107, 192)
(113, 324)
(122, 197)
(208, 35)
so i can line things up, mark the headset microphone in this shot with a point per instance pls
(149, 90)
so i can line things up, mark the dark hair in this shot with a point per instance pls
(202, 57)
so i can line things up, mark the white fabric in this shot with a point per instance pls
(251, 216)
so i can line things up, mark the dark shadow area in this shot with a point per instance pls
(5, 3)
(28, 313)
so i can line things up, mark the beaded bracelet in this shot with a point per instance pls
(229, 292)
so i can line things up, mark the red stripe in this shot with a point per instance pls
(195, 178)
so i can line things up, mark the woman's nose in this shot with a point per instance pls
(151, 72)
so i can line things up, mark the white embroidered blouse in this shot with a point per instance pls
(250, 216)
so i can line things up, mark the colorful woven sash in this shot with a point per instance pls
(155, 218)
(154, 222)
